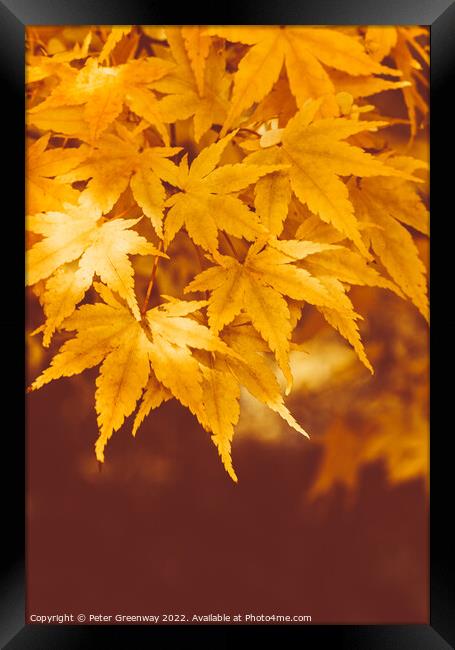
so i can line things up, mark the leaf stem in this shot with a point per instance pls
(152, 280)
(255, 133)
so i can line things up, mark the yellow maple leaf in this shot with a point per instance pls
(365, 86)
(173, 336)
(349, 267)
(344, 320)
(103, 90)
(253, 371)
(306, 51)
(279, 105)
(332, 269)
(63, 291)
(317, 157)
(399, 198)
(387, 207)
(221, 394)
(121, 160)
(154, 395)
(223, 378)
(258, 287)
(205, 203)
(272, 196)
(103, 247)
(62, 120)
(107, 332)
(203, 95)
(39, 67)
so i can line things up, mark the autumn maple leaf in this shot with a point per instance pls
(198, 86)
(103, 90)
(253, 370)
(317, 158)
(121, 160)
(102, 245)
(205, 204)
(364, 86)
(257, 287)
(336, 270)
(387, 204)
(107, 332)
(115, 36)
(304, 50)
(222, 380)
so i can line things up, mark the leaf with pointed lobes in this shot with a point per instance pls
(103, 91)
(119, 161)
(306, 52)
(255, 373)
(259, 286)
(318, 159)
(392, 243)
(101, 246)
(158, 358)
(205, 202)
(221, 394)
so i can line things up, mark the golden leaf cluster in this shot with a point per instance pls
(250, 170)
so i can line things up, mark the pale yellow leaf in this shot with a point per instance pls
(64, 290)
(221, 411)
(344, 320)
(123, 376)
(256, 375)
(178, 371)
(100, 327)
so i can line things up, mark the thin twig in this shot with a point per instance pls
(152, 280)
(244, 129)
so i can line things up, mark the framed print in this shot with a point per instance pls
(225, 231)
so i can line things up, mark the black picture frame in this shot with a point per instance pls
(15, 15)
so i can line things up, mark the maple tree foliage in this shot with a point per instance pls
(258, 151)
